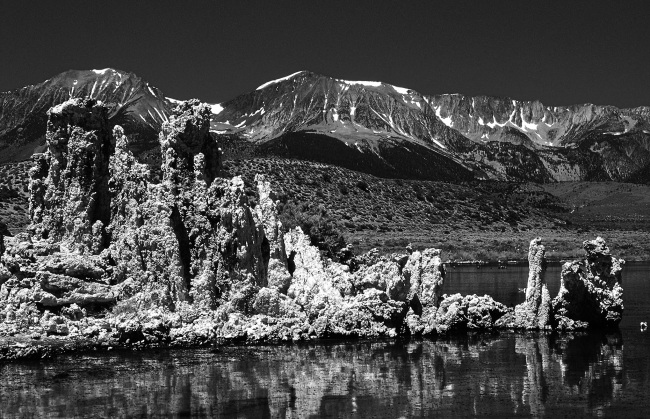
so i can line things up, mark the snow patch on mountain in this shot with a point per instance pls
(527, 126)
(101, 72)
(447, 121)
(494, 122)
(401, 90)
(92, 91)
(364, 83)
(216, 108)
(268, 83)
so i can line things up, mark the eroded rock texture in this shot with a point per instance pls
(590, 292)
(69, 189)
(179, 253)
(106, 230)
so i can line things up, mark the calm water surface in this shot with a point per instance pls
(500, 375)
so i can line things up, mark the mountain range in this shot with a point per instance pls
(371, 127)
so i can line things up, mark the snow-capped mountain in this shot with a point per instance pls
(488, 137)
(23, 115)
(368, 126)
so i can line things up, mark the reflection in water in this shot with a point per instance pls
(510, 374)
(504, 375)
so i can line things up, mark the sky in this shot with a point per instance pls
(558, 52)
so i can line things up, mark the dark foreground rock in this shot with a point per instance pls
(122, 254)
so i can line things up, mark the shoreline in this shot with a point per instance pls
(21, 348)
(524, 262)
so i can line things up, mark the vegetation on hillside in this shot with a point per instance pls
(467, 220)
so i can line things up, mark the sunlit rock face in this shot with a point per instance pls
(104, 229)
(69, 192)
(469, 312)
(266, 211)
(590, 292)
(193, 234)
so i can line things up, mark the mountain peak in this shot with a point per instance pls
(268, 83)
(103, 70)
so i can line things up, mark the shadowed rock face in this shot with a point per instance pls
(590, 292)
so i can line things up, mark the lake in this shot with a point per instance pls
(501, 375)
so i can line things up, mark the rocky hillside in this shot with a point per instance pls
(479, 220)
(139, 107)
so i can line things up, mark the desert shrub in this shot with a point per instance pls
(362, 185)
(6, 193)
(324, 231)
(397, 242)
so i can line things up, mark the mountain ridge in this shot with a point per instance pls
(489, 136)
(23, 111)
(482, 137)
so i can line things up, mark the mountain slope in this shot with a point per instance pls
(23, 112)
(359, 125)
(373, 127)
(484, 137)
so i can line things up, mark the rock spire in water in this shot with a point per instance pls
(535, 311)
(590, 292)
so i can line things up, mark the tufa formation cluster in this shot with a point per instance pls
(119, 253)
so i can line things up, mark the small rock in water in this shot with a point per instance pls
(644, 326)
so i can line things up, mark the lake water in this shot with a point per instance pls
(500, 375)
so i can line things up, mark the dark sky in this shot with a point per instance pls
(561, 52)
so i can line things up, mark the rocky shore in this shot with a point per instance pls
(121, 254)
